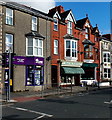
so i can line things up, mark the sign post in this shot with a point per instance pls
(9, 75)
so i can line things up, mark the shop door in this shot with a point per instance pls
(54, 76)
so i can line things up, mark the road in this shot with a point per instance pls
(96, 104)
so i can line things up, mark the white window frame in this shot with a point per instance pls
(55, 24)
(87, 33)
(70, 57)
(107, 73)
(9, 17)
(69, 27)
(35, 47)
(106, 57)
(34, 24)
(9, 42)
(56, 44)
(106, 45)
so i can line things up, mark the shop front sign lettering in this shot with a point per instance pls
(20, 60)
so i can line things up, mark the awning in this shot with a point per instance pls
(72, 70)
(90, 65)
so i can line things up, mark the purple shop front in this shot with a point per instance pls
(21, 60)
(34, 69)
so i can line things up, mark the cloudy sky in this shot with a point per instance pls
(43, 5)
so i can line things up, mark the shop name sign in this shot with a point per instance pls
(71, 64)
(21, 60)
(37, 61)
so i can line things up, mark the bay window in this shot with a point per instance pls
(71, 48)
(9, 16)
(34, 47)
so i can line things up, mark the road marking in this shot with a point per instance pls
(27, 110)
(108, 102)
(39, 117)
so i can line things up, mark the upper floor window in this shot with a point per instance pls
(34, 23)
(56, 24)
(55, 46)
(105, 45)
(71, 48)
(87, 33)
(34, 46)
(9, 42)
(96, 39)
(88, 51)
(106, 56)
(9, 16)
(69, 27)
(107, 73)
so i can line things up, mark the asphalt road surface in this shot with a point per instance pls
(96, 104)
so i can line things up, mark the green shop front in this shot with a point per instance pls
(90, 73)
(70, 73)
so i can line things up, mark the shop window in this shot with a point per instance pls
(71, 48)
(106, 56)
(34, 75)
(9, 42)
(89, 74)
(34, 47)
(106, 73)
(69, 27)
(88, 51)
(34, 23)
(55, 46)
(56, 24)
(9, 16)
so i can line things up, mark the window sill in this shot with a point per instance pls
(34, 56)
(55, 30)
(10, 25)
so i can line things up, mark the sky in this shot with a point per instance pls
(98, 12)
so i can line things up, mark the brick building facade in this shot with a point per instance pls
(77, 48)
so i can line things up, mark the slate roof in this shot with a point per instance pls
(68, 36)
(51, 14)
(81, 22)
(94, 30)
(108, 36)
(64, 15)
(26, 9)
(34, 34)
(86, 41)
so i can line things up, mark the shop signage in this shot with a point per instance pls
(71, 64)
(21, 60)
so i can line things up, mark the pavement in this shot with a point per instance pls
(34, 95)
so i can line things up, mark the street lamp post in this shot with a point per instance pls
(9, 74)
